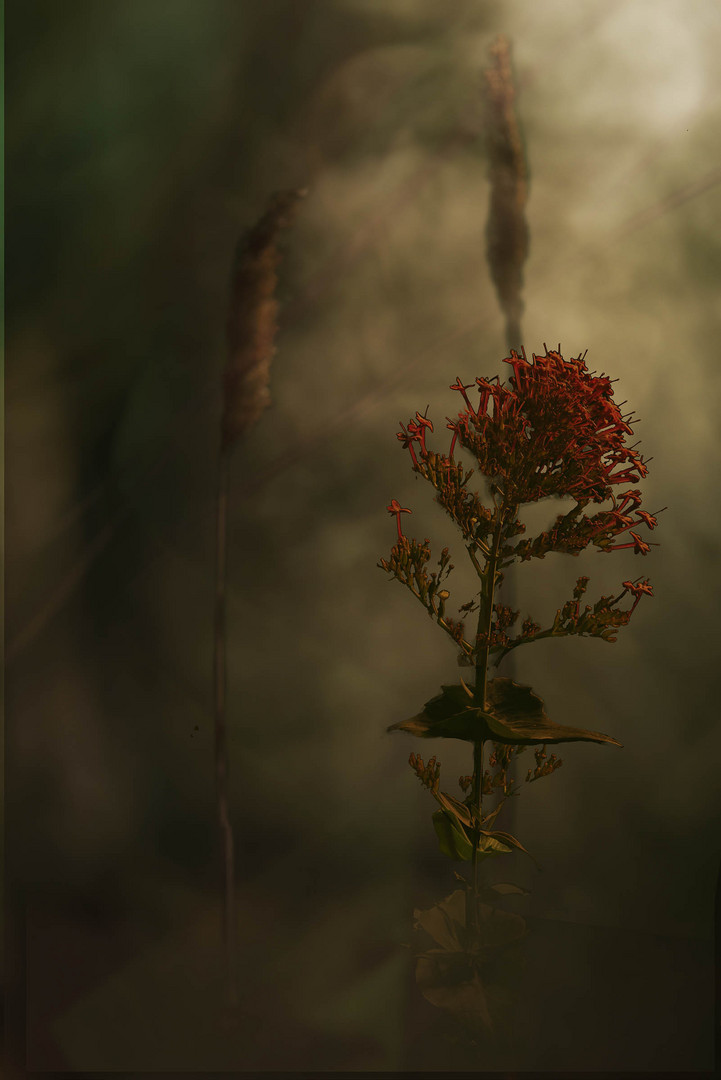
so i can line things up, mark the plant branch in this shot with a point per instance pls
(474, 559)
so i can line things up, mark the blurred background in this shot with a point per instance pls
(142, 139)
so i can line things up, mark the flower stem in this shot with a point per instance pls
(485, 617)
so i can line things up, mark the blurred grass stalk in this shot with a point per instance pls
(507, 233)
(250, 331)
(507, 236)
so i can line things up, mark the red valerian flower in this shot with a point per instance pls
(408, 438)
(396, 508)
(648, 519)
(629, 496)
(421, 425)
(458, 385)
(640, 547)
(453, 426)
(555, 430)
(417, 430)
(638, 589)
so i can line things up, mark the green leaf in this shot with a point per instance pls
(451, 836)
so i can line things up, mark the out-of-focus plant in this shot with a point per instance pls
(251, 330)
(507, 233)
(554, 431)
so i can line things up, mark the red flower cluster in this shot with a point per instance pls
(555, 431)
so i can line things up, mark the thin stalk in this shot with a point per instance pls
(251, 328)
(221, 735)
(485, 617)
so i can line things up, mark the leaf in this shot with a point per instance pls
(504, 836)
(434, 924)
(513, 715)
(454, 906)
(453, 806)
(467, 689)
(489, 845)
(451, 836)
(498, 928)
(445, 921)
(505, 888)
(490, 818)
(462, 725)
(447, 715)
(454, 839)
(466, 1000)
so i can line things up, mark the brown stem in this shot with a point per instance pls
(221, 739)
